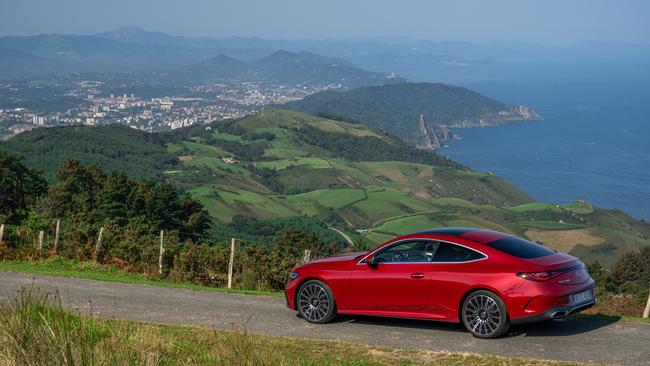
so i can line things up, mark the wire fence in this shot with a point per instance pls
(250, 266)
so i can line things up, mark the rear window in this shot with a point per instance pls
(453, 253)
(520, 248)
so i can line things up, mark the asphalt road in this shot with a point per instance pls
(571, 340)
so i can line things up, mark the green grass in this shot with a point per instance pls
(384, 203)
(59, 266)
(35, 329)
(407, 224)
(579, 207)
(314, 163)
(550, 225)
(535, 206)
(310, 202)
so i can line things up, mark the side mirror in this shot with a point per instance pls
(370, 261)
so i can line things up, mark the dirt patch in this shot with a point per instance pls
(393, 174)
(564, 240)
(185, 158)
(420, 193)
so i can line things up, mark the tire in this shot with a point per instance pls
(485, 315)
(315, 302)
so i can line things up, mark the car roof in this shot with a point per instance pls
(481, 236)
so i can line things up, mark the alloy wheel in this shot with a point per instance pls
(314, 302)
(483, 315)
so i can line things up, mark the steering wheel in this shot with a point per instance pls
(399, 257)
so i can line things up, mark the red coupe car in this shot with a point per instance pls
(485, 279)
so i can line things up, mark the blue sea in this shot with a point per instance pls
(593, 144)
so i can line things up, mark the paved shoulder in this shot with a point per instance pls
(571, 340)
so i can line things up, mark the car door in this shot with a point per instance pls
(399, 282)
(454, 269)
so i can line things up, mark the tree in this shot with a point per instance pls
(293, 242)
(114, 201)
(631, 273)
(77, 189)
(20, 187)
(90, 196)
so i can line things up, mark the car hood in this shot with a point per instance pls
(338, 258)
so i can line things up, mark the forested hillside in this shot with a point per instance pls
(396, 108)
(112, 148)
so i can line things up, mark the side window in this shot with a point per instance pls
(447, 252)
(410, 251)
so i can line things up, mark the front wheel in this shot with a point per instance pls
(484, 314)
(316, 302)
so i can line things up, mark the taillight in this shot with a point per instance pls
(539, 276)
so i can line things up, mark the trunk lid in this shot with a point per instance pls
(571, 270)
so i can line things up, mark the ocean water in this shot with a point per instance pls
(593, 144)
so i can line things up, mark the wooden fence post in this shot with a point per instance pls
(646, 312)
(2, 232)
(56, 236)
(162, 251)
(99, 242)
(40, 240)
(305, 258)
(232, 261)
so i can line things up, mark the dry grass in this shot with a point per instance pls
(564, 240)
(36, 330)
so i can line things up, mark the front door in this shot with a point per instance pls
(399, 282)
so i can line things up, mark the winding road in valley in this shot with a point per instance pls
(571, 340)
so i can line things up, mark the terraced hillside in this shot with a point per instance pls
(370, 184)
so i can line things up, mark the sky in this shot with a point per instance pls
(551, 22)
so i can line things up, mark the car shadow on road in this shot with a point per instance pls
(559, 327)
(550, 328)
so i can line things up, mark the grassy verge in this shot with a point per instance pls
(92, 271)
(36, 330)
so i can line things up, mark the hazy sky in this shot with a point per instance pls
(542, 21)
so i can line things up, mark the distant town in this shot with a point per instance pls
(96, 102)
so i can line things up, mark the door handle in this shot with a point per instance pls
(417, 275)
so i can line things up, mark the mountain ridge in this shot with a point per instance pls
(287, 67)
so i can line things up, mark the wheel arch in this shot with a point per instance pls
(475, 289)
(302, 282)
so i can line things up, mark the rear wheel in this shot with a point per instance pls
(316, 302)
(484, 314)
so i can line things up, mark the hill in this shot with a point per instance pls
(218, 67)
(283, 67)
(96, 54)
(16, 63)
(279, 164)
(287, 163)
(114, 147)
(396, 108)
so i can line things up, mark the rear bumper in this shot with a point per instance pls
(557, 312)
